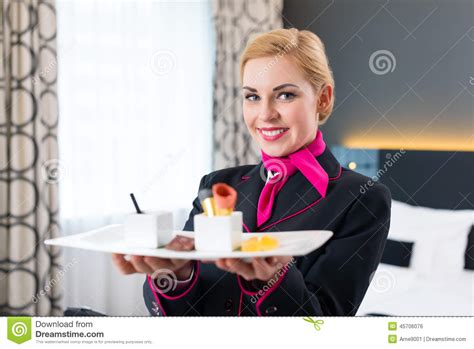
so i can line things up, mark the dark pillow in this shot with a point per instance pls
(469, 255)
(397, 253)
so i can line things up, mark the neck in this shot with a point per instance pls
(311, 141)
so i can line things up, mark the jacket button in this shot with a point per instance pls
(228, 304)
(271, 310)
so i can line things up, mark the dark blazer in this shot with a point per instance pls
(329, 281)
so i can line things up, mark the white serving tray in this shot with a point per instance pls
(110, 239)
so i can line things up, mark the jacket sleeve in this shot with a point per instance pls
(176, 301)
(338, 279)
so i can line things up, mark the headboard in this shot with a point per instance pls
(437, 179)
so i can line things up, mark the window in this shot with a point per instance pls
(135, 101)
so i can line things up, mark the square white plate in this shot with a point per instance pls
(110, 239)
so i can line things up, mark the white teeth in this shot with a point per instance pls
(272, 133)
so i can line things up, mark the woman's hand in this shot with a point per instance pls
(152, 265)
(263, 269)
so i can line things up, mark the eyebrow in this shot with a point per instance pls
(279, 87)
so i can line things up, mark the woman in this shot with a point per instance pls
(288, 91)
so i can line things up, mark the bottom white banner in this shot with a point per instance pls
(238, 332)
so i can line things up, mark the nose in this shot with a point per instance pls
(267, 112)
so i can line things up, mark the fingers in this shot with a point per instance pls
(246, 270)
(259, 268)
(156, 263)
(136, 264)
(220, 263)
(271, 261)
(263, 270)
(226, 264)
(238, 266)
(283, 260)
(161, 265)
(181, 243)
(124, 266)
(140, 265)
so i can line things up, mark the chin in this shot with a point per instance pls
(273, 152)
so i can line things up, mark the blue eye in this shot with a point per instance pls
(286, 96)
(252, 97)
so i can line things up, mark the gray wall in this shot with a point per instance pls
(427, 100)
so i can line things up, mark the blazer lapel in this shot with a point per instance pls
(298, 194)
(248, 191)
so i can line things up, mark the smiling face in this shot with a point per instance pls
(279, 105)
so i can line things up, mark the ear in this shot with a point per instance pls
(324, 97)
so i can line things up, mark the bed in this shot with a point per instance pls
(427, 267)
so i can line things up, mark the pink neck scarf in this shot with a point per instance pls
(303, 160)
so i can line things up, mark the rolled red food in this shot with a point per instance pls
(225, 197)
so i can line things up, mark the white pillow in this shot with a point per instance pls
(401, 292)
(440, 236)
(436, 282)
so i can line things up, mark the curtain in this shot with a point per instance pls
(235, 22)
(29, 167)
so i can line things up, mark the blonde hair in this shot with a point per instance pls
(305, 47)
